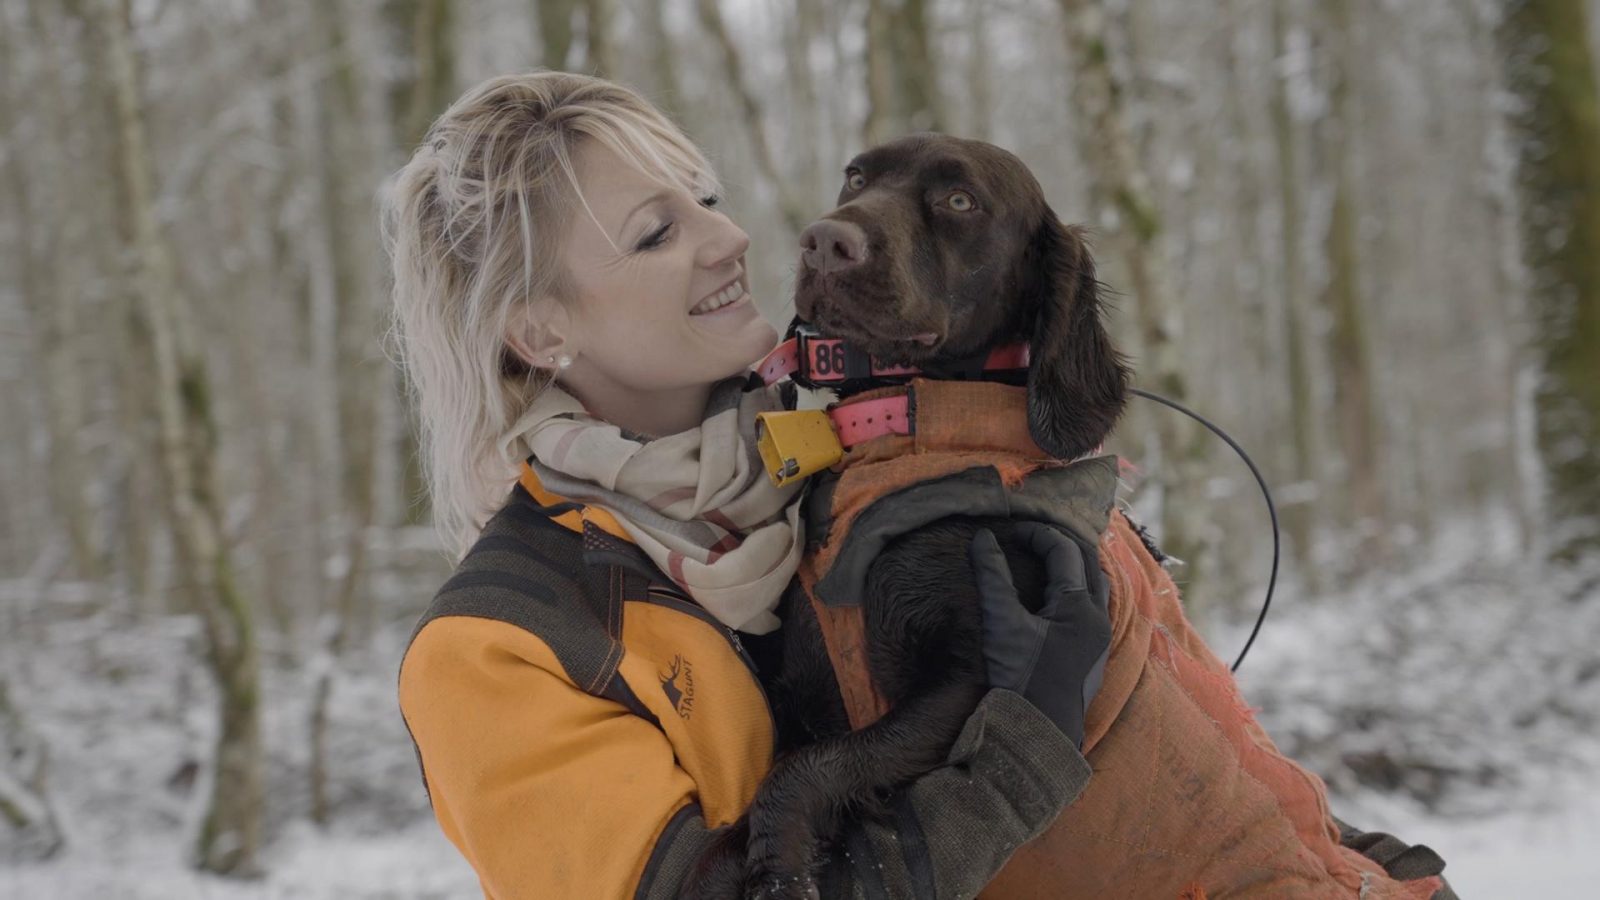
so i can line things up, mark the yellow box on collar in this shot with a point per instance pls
(796, 443)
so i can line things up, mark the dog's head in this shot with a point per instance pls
(942, 248)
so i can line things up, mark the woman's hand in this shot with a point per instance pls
(1055, 658)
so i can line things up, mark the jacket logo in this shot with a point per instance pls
(679, 694)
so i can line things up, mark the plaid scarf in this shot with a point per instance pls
(698, 503)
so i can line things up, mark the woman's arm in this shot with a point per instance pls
(551, 792)
(1007, 777)
(548, 791)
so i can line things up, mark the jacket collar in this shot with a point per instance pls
(574, 515)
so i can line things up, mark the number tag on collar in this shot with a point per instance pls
(832, 362)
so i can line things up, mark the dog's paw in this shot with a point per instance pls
(719, 874)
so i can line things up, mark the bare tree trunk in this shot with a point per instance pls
(136, 513)
(601, 57)
(902, 83)
(794, 212)
(24, 776)
(426, 34)
(1550, 66)
(1513, 472)
(328, 290)
(980, 79)
(334, 637)
(1122, 185)
(1349, 346)
(922, 105)
(230, 834)
(281, 500)
(52, 307)
(18, 518)
(136, 516)
(429, 26)
(555, 30)
(806, 120)
(1306, 464)
(666, 90)
(346, 365)
(879, 125)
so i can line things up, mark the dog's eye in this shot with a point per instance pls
(854, 180)
(961, 201)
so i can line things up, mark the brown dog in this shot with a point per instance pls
(940, 249)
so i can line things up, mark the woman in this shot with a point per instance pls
(574, 315)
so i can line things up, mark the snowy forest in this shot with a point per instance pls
(1362, 236)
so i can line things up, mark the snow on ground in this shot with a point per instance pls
(1548, 853)
(124, 707)
(412, 863)
(1455, 706)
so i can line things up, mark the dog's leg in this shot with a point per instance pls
(925, 632)
(809, 792)
(719, 873)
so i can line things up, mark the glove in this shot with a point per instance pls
(1056, 658)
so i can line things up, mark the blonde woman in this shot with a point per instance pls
(574, 316)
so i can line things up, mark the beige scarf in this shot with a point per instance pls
(699, 502)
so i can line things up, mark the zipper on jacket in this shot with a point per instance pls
(682, 603)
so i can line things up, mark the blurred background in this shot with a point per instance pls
(1361, 235)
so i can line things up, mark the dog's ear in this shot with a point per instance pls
(1077, 381)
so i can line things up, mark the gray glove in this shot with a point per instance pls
(1057, 658)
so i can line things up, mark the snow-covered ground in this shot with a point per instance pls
(412, 863)
(1548, 853)
(126, 712)
(1456, 706)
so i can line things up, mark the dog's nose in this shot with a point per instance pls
(831, 246)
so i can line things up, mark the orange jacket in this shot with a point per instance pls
(582, 728)
(547, 786)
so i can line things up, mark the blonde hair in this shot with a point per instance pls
(473, 224)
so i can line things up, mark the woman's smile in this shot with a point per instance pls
(723, 301)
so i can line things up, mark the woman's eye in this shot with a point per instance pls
(710, 201)
(655, 238)
(854, 180)
(961, 201)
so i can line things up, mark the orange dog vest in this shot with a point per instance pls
(1190, 798)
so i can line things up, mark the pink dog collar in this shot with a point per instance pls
(816, 361)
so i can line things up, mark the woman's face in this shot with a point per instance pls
(662, 298)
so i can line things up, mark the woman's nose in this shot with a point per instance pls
(724, 241)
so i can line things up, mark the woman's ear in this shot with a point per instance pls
(539, 333)
(1077, 381)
